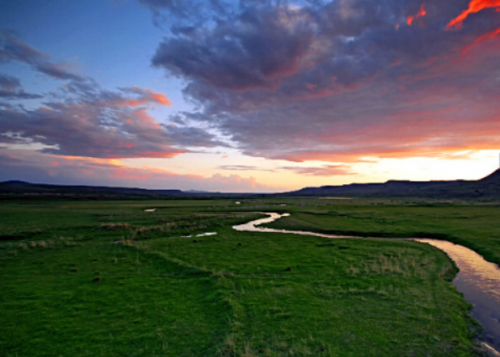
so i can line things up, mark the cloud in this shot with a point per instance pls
(242, 168)
(474, 6)
(420, 13)
(329, 170)
(10, 88)
(257, 50)
(41, 168)
(146, 96)
(83, 119)
(103, 125)
(9, 82)
(18, 94)
(343, 81)
(12, 49)
(483, 38)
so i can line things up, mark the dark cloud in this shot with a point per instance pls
(57, 71)
(18, 94)
(9, 82)
(344, 79)
(257, 50)
(184, 16)
(12, 49)
(10, 88)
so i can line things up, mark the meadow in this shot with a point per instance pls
(106, 278)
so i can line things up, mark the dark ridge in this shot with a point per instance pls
(15, 189)
(485, 188)
(493, 177)
(16, 182)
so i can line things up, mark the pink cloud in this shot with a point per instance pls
(328, 170)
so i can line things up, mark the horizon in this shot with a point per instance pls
(244, 96)
(247, 192)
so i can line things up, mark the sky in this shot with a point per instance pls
(248, 95)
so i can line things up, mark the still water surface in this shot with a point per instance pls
(477, 279)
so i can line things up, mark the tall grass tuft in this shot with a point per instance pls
(115, 226)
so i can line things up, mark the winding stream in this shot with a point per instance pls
(477, 279)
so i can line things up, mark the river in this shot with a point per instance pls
(478, 279)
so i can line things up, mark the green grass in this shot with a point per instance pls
(142, 306)
(474, 226)
(297, 295)
(67, 289)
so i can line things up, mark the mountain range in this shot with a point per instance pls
(485, 188)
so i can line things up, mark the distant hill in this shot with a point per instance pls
(493, 178)
(488, 187)
(25, 190)
(16, 188)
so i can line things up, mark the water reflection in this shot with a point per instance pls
(201, 235)
(252, 227)
(478, 279)
(206, 234)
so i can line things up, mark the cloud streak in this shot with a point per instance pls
(474, 6)
(10, 88)
(326, 171)
(12, 49)
(242, 168)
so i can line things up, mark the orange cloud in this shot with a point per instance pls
(160, 99)
(145, 96)
(147, 119)
(474, 6)
(483, 38)
(420, 13)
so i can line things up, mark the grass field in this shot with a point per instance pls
(472, 225)
(108, 279)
